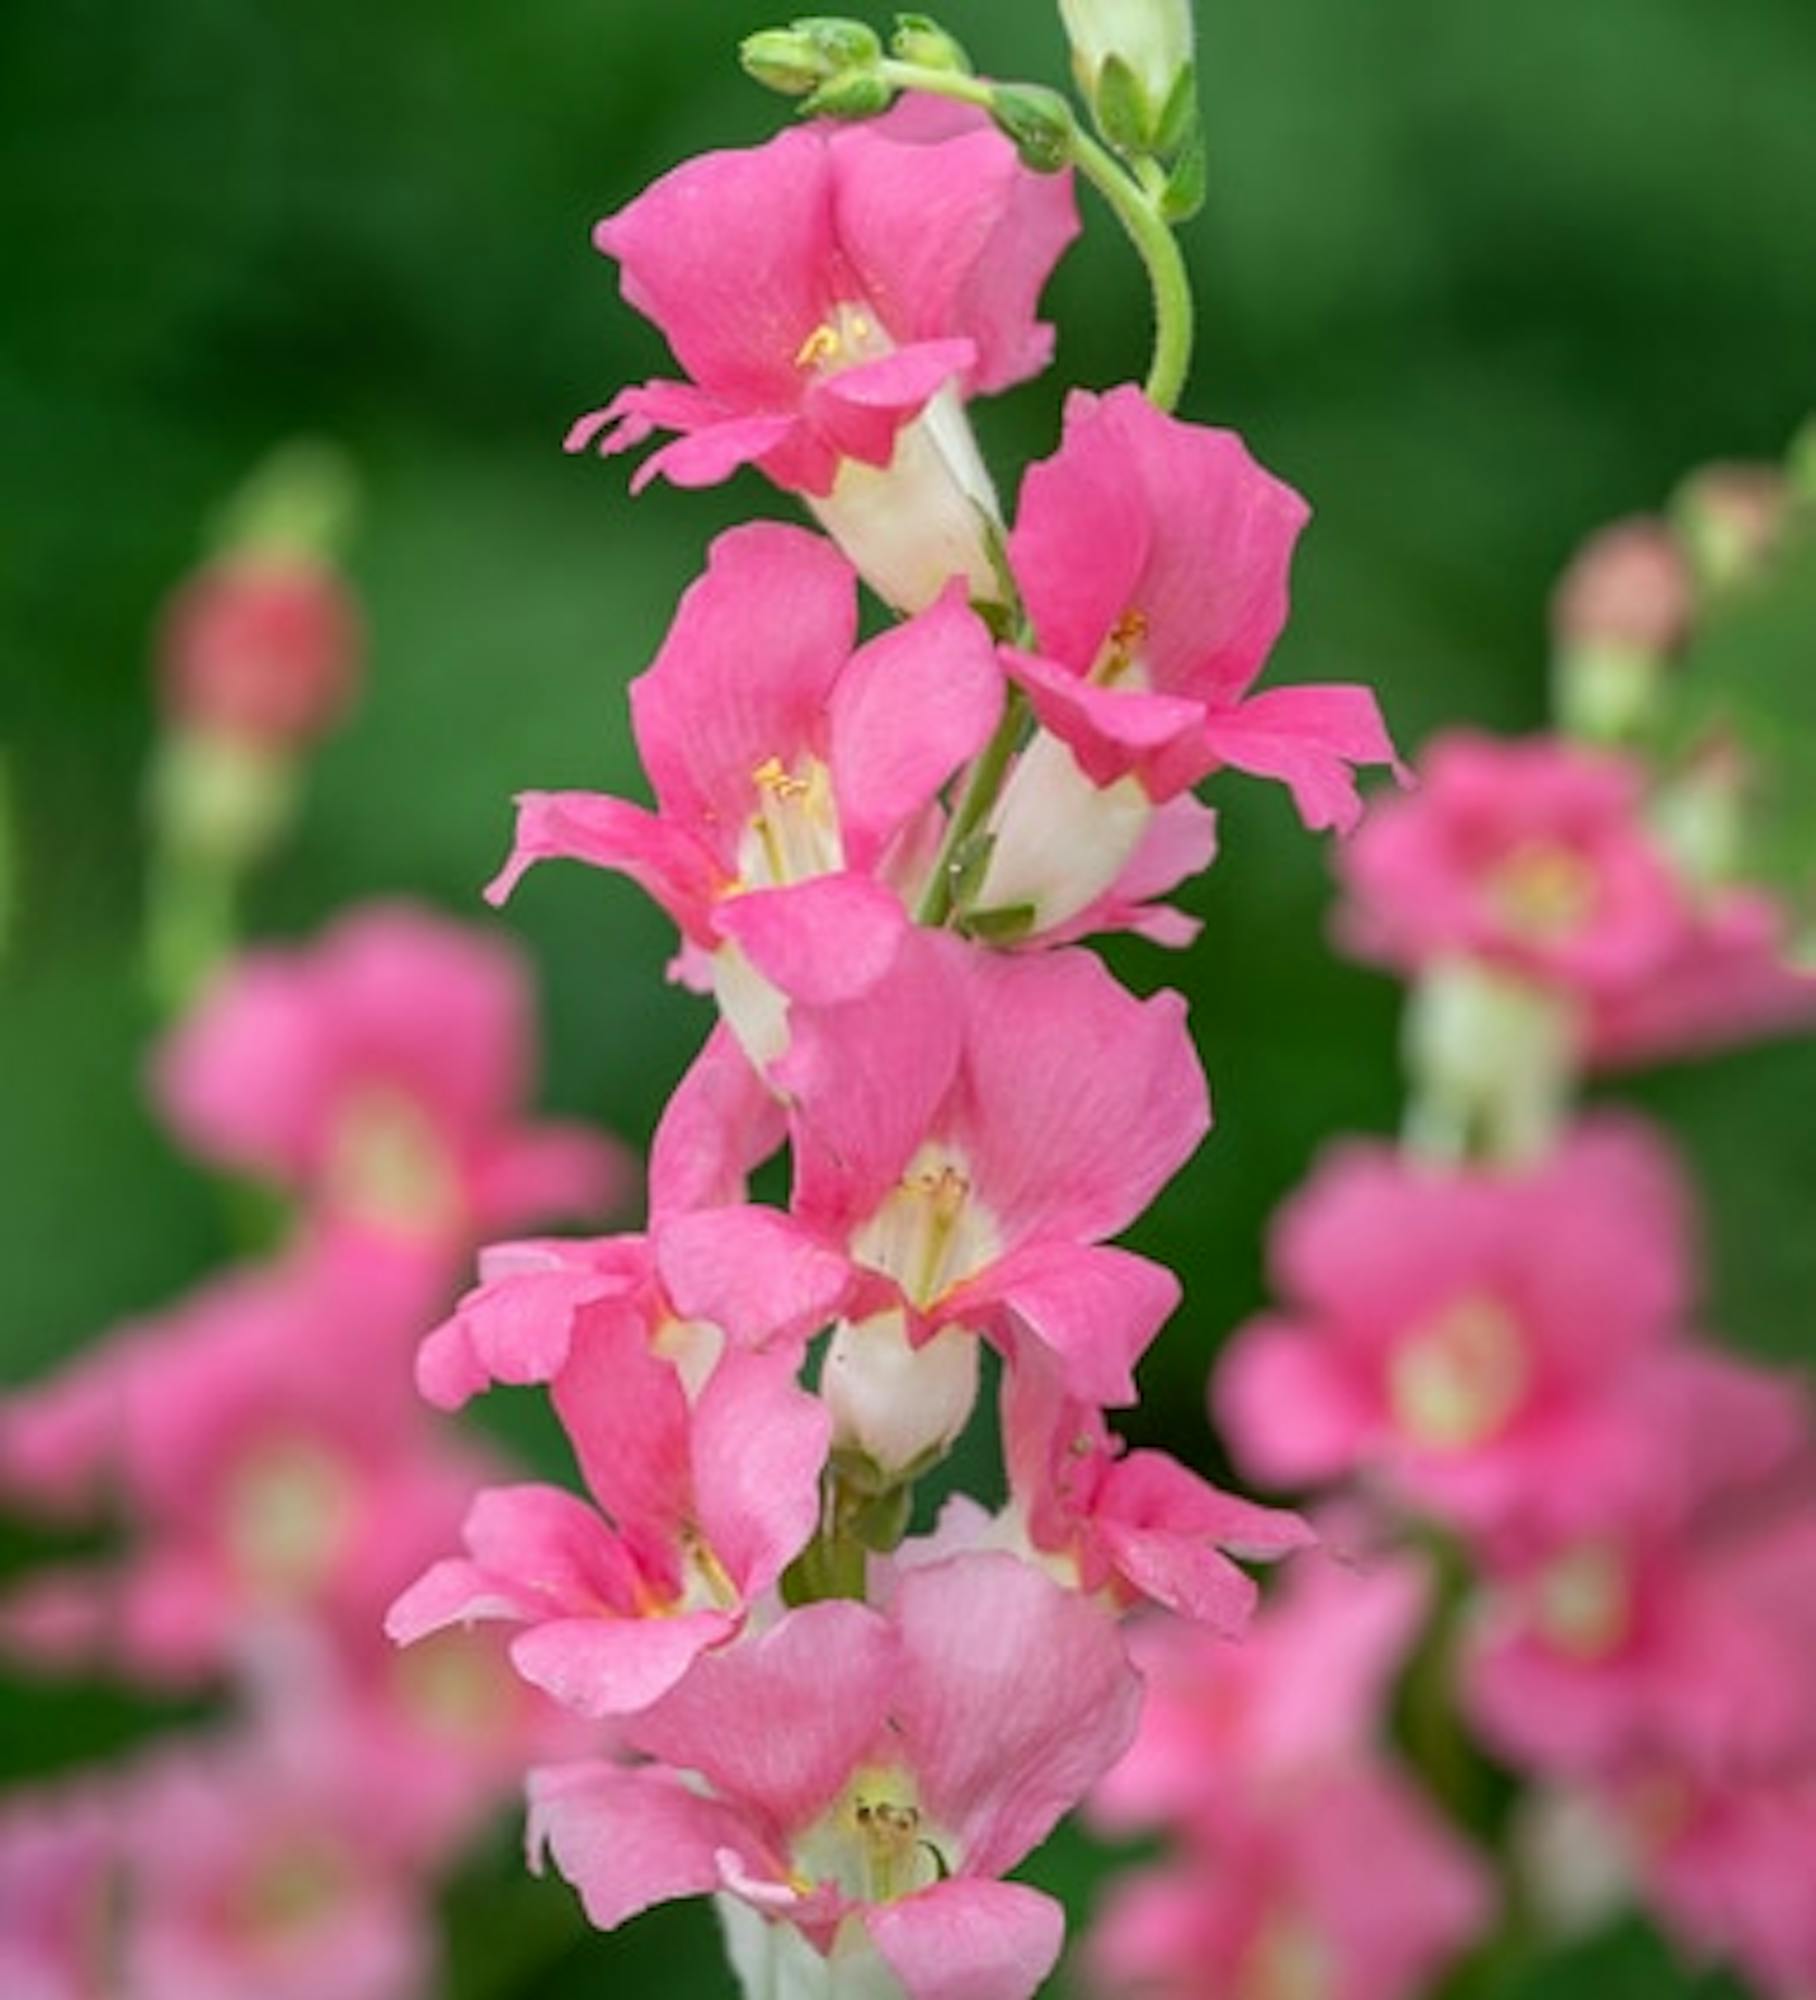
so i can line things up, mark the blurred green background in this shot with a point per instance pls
(1475, 278)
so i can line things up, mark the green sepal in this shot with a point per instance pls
(1039, 121)
(1001, 926)
(860, 94)
(969, 866)
(1120, 104)
(919, 39)
(1188, 183)
(1179, 115)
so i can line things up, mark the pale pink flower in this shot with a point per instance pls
(1729, 1870)
(1530, 855)
(1153, 557)
(1680, 1631)
(1467, 1337)
(262, 1496)
(380, 1074)
(847, 1774)
(796, 774)
(1353, 1888)
(702, 1503)
(1628, 587)
(1134, 1524)
(1307, 1689)
(58, 1866)
(965, 1136)
(279, 1866)
(834, 296)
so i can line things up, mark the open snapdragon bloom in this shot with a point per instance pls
(1425, 1344)
(1136, 1525)
(965, 1135)
(865, 1781)
(834, 296)
(796, 774)
(702, 1502)
(1153, 558)
(310, 1067)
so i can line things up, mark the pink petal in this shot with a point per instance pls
(952, 235)
(859, 410)
(615, 1666)
(723, 1121)
(970, 1940)
(821, 941)
(667, 864)
(1310, 738)
(546, 1172)
(1095, 1309)
(516, 1328)
(778, 1723)
(743, 675)
(1015, 1696)
(730, 255)
(626, 1413)
(911, 708)
(1113, 731)
(709, 456)
(628, 1839)
(1079, 1102)
(760, 1445)
(1291, 1416)
(752, 1272)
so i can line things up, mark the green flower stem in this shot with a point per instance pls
(974, 808)
(1133, 205)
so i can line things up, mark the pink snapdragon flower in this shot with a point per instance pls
(1136, 1525)
(1677, 1633)
(796, 775)
(314, 1067)
(262, 1496)
(1152, 555)
(704, 1501)
(278, 1866)
(1355, 1889)
(867, 1781)
(1311, 1863)
(1425, 1344)
(964, 1136)
(58, 1870)
(834, 297)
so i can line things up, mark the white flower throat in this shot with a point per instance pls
(793, 835)
(931, 1232)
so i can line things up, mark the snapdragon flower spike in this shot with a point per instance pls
(834, 296)
(1134, 1525)
(867, 1780)
(1425, 1345)
(792, 773)
(1153, 555)
(965, 1136)
(309, 1067)
(705, 1501)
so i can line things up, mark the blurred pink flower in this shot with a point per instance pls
(1468, 1337)
(380, 1075)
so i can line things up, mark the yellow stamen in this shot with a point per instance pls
(821, 345)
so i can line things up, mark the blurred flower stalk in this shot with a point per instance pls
(1487, 1345)
(232, 1489)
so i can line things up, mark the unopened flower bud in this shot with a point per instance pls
(921, 40)
(1731, 517)
(260, 651)
(858, 94)
(1133, 61)
(1039, 121)
(780, 59)
(895, 1405)
(1624, 606)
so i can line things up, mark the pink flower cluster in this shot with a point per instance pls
(266, 1481)
(1496, 1340)
(880, 856)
